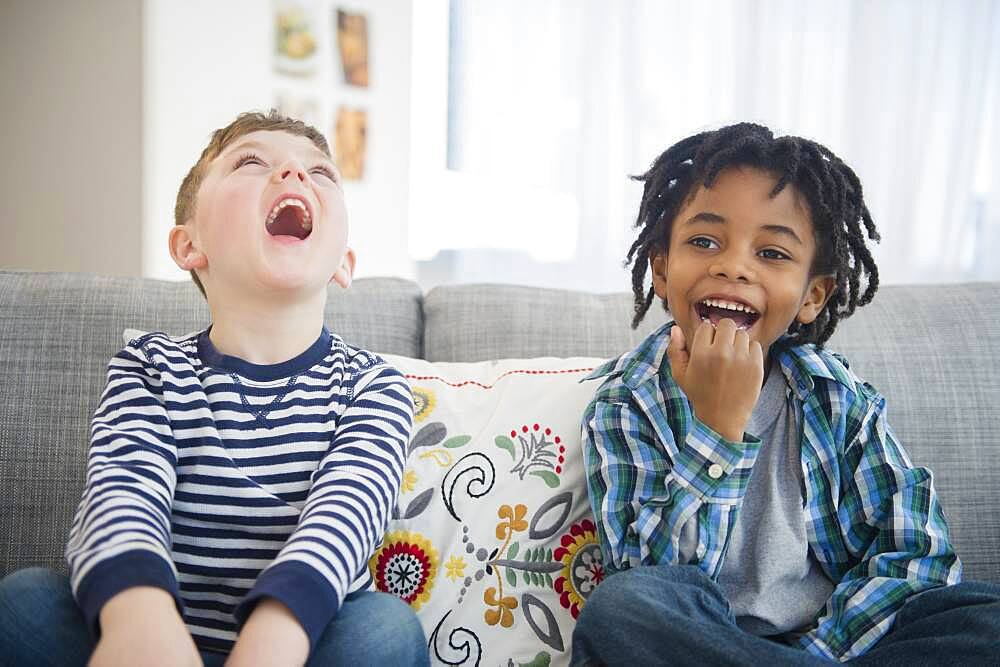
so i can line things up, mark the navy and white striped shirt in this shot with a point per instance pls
(223, 481)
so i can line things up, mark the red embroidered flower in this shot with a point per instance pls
(583, 566)
(405, 565)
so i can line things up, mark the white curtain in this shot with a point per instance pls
(574, 96)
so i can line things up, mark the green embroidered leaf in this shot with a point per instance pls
(547, 476)
(526, 579)
(512, 551)
(548, 554)
(534, 578)
(543, 659)
(548, 580)
(511, 577)
(457, 441)
(503, 442)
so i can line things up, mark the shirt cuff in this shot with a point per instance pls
(716, 469)
(109, 578)
(307, 594)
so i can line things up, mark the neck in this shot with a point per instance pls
(262, 333)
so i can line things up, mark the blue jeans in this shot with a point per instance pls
(677, 615)
(41, 624)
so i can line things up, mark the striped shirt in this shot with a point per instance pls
(222, 481)
(873, 520)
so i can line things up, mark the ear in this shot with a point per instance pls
(183, 249)
(818, 292)
(345, 274)
(658, 267)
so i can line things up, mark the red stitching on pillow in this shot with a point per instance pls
(410, 376)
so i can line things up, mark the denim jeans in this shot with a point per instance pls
(676, 615)
(41, 624)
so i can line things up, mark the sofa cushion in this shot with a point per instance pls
(58, 333)
(494, 543)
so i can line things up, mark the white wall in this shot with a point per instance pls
(205, 62)
(71, 136)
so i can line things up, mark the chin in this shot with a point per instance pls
(293, 281)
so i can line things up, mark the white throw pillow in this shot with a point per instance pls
(494, 543)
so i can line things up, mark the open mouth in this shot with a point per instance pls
(289, 217)
(714, 310)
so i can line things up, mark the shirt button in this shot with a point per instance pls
(715, 471)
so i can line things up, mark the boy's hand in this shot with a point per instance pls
(721, 372)
(141, 626)
(271, 636)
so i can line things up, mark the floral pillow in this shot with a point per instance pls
(493, 542)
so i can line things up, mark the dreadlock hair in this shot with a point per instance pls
(832, 189)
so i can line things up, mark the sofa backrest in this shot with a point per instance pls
(931, 350)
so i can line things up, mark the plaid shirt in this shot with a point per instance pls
(873, 519)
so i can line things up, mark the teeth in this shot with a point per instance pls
(306, 218)
(729, 305)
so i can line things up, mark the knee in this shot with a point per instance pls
(382, 629)
(17, 588)
(628, 588)
(409, 644)
(674, 590)
(611, 597)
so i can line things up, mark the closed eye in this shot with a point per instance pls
(248, 158)
(324, 170)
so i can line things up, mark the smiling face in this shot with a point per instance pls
(736, 252)
(269, 219)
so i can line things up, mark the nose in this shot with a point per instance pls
(732, 265)
(291, 169)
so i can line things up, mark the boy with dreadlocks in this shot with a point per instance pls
(751, 499)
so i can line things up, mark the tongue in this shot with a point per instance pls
(288, 223)
(717, 314)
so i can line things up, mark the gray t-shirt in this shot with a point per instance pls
(770, 576)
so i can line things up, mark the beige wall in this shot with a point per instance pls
(71, 135)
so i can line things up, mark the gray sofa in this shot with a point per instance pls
(932, 350)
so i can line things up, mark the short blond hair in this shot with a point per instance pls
(245, 123)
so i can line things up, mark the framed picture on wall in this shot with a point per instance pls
(350, 132)
(295, 46)
(352, 43)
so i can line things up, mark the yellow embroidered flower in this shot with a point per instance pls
(514, 520)
(409, 481)
(502, 614)
(455, 568)
(423, 403)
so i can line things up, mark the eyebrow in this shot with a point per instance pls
(250, 143)
(715, 218)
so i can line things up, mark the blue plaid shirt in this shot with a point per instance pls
(873, 519)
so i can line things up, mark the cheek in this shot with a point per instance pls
(337, 217)
(789, 301)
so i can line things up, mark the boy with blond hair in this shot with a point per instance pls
(239, 478)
